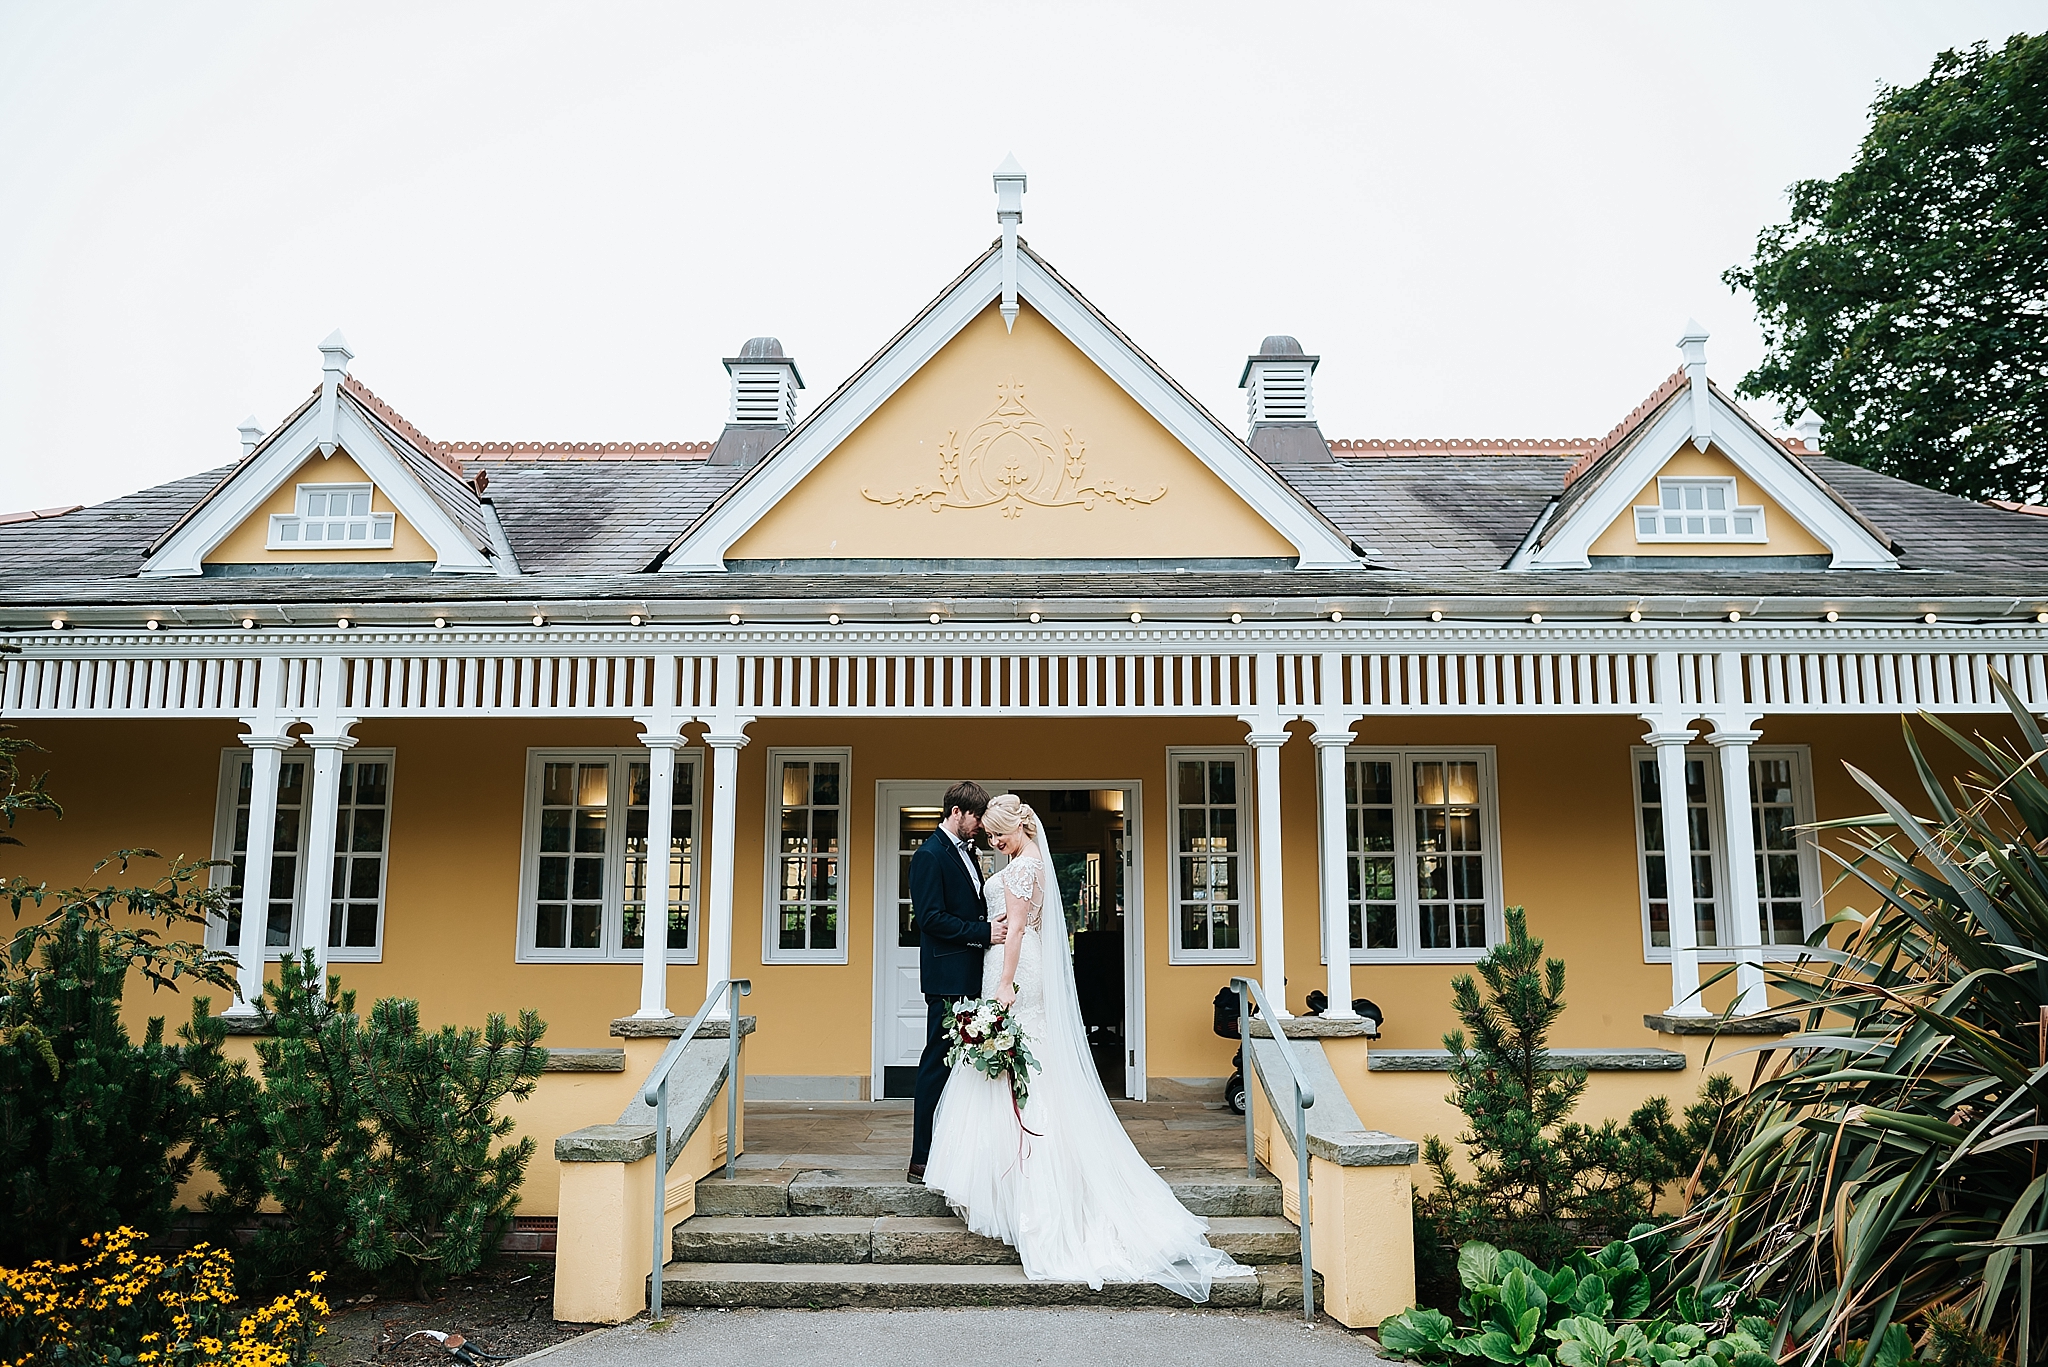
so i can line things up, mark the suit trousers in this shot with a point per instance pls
(932, 1073)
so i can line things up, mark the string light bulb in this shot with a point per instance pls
(56, 624)
(734, 619)
(1832, 616)
(540, 619)
(248, 624)
(1734, 616)
(154, 624)
(1635, 614)
(1237, 619)
(833, 619)
(1930, 619)
(1436, 615)
(636, 619)
(1137, 617)
(440, 624)
(2042, 618)
(1336, 616)
(341, 624)
(935, 619)
(1536, 619)
(1035, 619)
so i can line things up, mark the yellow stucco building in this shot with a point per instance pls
(1313, 712)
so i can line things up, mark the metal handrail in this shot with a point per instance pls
(656, 1095)
(1248, 992)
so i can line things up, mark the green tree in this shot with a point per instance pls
(1542, 1182)
(1906, 300)
(380, 1141)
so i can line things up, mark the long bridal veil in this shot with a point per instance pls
(1095, 1200)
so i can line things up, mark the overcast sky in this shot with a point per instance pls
(551, 221)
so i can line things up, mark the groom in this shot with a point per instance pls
(952, 930)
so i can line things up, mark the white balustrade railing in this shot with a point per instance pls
(1078, 673)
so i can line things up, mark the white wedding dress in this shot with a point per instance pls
(1073, 1196)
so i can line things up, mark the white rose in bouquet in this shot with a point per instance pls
(1003, 1043)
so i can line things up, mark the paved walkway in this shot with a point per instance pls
(959, 1338)
(876, 1134)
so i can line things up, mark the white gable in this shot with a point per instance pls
(337, 421)
(1850, 542)
(703, 548)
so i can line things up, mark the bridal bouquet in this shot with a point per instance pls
(983, 1037)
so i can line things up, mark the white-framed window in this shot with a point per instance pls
(361, 850)
(586, 861)
(1698, 509)
(331, 517)
(1213, 901)
(807, 817)
(1422, 853)
(1787, 869)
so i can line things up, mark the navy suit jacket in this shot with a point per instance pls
(952, 920)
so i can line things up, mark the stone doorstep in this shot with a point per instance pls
(883, 1191)
(921, 1240)
(898, 1286)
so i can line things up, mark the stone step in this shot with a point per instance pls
(883, 1191)
(819, 1286)
(1253, 1240)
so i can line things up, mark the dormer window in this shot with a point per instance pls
(1698, 510)
(331, 517)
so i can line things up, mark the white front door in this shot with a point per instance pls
(906, 813)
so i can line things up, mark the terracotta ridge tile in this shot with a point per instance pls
(1461, 446)
(427, 446)
(577, 450)
(40, 514)
(1673, 382)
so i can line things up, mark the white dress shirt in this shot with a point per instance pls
(966, 857)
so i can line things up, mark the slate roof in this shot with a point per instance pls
(1438, 527)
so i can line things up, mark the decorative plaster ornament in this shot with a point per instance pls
(1009, 459)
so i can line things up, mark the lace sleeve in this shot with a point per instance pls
(1020, 878)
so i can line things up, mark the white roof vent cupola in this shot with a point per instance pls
(1279, 385)
(763, 409)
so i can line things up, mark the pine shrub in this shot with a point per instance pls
(379, 1140)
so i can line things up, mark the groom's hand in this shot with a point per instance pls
(998, 931)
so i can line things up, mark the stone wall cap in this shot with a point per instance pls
(1316, 1027)
(1364, 1149)
(605, 1144)
(604, 1059)
(672, 1027)
(1668, 1024)
(1592, 1060)
(264, 1024)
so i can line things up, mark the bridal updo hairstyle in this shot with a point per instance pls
(1008, 813)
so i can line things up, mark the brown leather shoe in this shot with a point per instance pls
(916, 1174)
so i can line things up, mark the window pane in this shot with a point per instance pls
(1190, 787)
(558, 785)
(825, 784)
(1223, 782)
(592, 784)
(796, 784)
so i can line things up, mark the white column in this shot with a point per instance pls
(1272, 920)
(725, 751)
(316, 888)
(1745, 916)
(1671, 740)
(661, 779)
(266, 758)
(1334, 850)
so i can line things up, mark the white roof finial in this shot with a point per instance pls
(252, 434)
(1010, 186)
(1809, 430)
(334, 359)
(1693, 346)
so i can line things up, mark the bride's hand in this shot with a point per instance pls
(1006, 995)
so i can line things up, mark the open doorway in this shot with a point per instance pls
(1085, 828)
(1093, 834)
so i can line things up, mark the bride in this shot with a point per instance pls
(1066, 1188)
